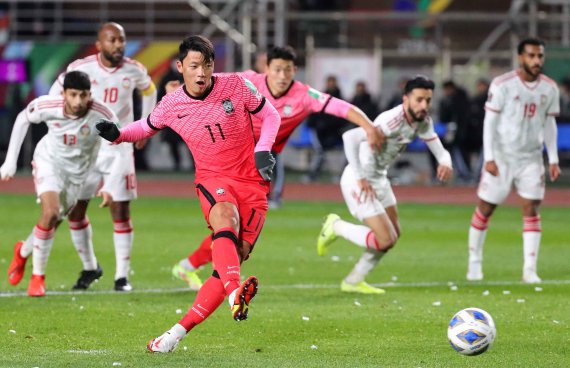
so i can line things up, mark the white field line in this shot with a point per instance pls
(395, 285)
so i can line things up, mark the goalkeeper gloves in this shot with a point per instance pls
(264, 161)
(108, 130)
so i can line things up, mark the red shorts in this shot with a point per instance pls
(250, 198)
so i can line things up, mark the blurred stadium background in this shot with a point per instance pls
(378, 42)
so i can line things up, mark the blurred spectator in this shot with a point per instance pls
(173, 140)
(327, 129)
(363, 100)
(396, 98)
(454, 111)
(475, 142)
(565, 100)
(260, 64)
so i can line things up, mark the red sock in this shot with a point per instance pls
(203, 254)
(225, 258)
(209, 298)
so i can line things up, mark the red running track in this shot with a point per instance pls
(558, 197)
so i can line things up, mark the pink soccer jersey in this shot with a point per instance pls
(293, 107)
(216, 127)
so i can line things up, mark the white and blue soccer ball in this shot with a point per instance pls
(471, 331)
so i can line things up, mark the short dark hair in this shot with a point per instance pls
(285, 53)
(529, 41)
(197, 43)
(418, 81)
(77, 80)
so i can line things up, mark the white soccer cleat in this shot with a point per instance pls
(165, 343)
(530, 277)
(475, 271)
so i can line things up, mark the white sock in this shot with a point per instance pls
(123, 239)
(28, 246)
(232, 297)
(532, 233)
(476, 242)
(365, 264)
(357, 234)
(185, 264)
(178, 331)
(82, 238)
(42, 242)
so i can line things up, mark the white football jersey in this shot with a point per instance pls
(399, 133)
(113, 86)
(523, 108)
(71, 144)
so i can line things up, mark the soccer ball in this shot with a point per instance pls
(471, 331)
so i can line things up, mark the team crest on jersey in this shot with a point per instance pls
(85, 130)
(31, 109)
(126, 83)
(220, 191)
(228, 106)
(94, 82)
(317, 95)
(287, 110)
(543, 100)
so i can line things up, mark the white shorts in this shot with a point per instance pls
(115, 166)
(372, 206)
(527, 178)
(47, 178)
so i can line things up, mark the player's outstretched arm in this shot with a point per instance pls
(264, 160)
(348, 111)
(8, 169)
(445, 168)
(133, 132)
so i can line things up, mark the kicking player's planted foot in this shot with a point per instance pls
(86, 278)
(189, 277)
(17, 266)
(242, 296)
(165, 343)
(37, 286)
(362, 288)
(122, 284)
(327, 235)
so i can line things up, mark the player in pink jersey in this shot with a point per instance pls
(519, 122)
(211, 112)
(294, 101)
(62, 160)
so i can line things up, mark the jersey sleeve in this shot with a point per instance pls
(389, 123)
(253, 100)
(159, 115)
(554, 107)
(316, 101)
(33, 113)
(495, 98)
(143, 80)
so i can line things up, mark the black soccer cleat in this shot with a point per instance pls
(86, 278)
(123, 284)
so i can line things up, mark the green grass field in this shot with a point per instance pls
(402, 328)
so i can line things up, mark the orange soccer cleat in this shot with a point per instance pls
(37, 286)
(18, 265)
(243, 296)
